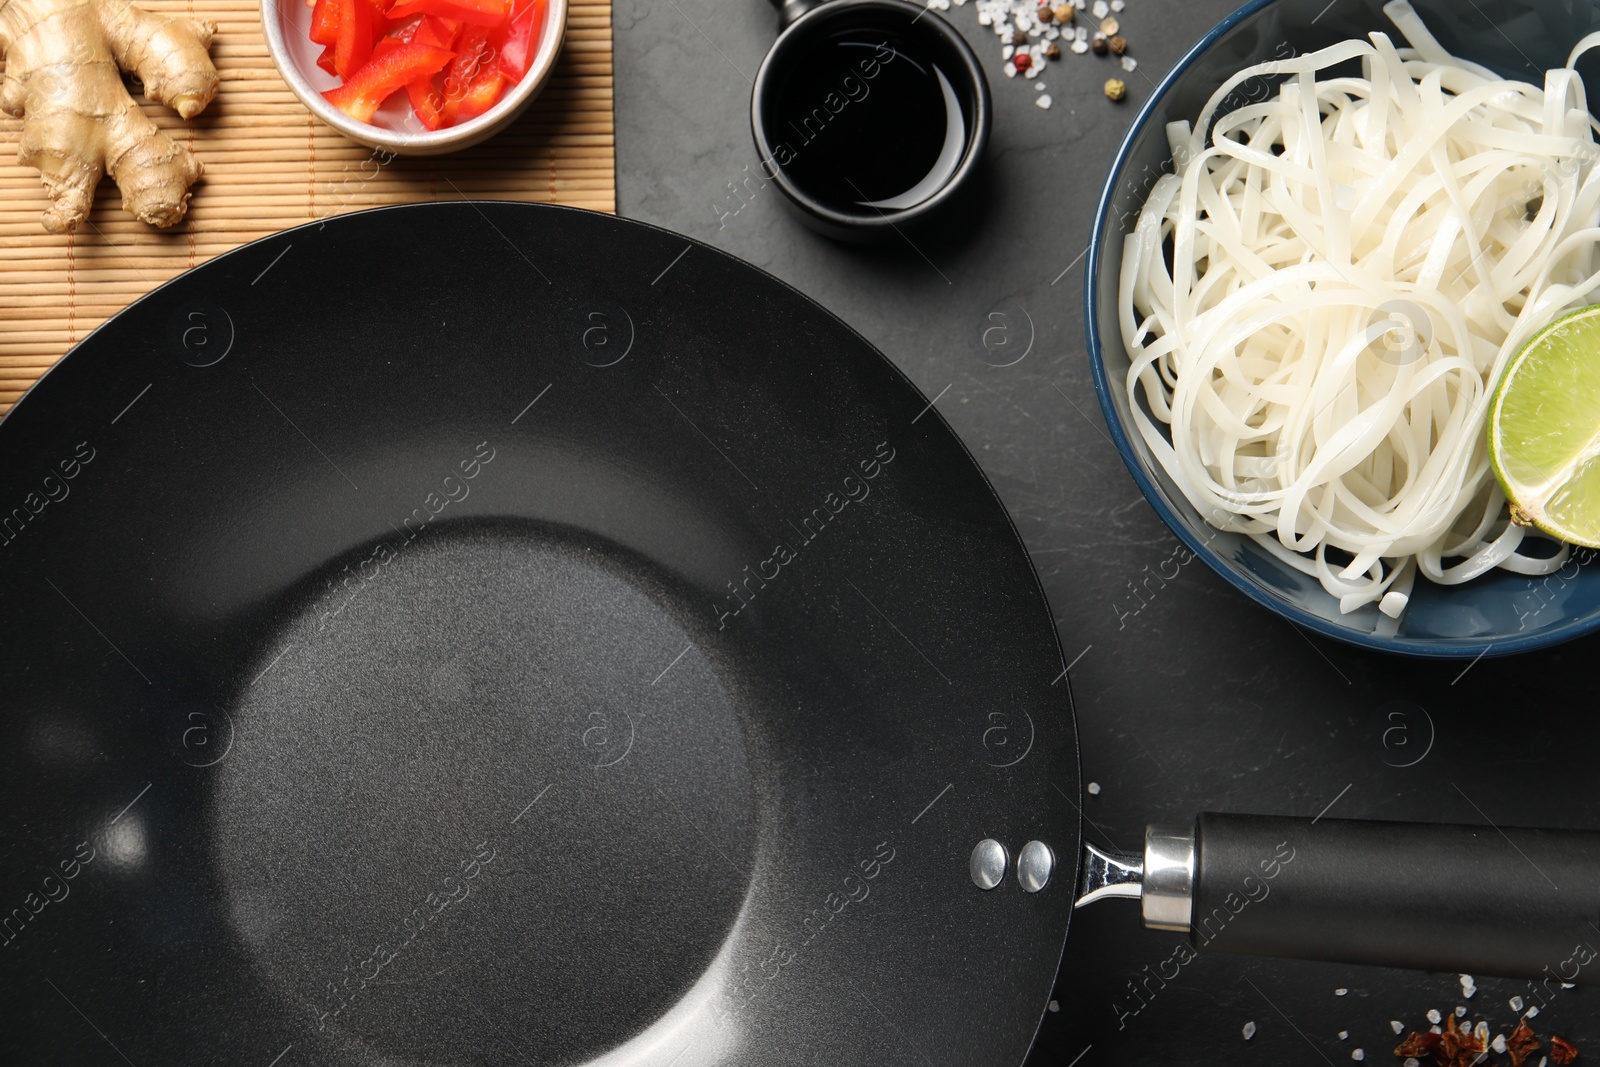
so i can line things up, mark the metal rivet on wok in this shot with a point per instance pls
(988, 863)
(1034, 865)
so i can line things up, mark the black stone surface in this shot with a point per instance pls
(1189, 698)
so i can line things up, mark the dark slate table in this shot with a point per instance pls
(1189, 697)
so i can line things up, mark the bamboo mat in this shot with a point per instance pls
(270, 165)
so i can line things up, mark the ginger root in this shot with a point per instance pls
(63, 64)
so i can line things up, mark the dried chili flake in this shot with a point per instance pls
(1450, 1042)
(1473, 1039)
(1522, 1043)
(1458, 1047)
(1419, 1045)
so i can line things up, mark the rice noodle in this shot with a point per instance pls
(1317, 302)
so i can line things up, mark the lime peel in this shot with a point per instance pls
(1544, 430)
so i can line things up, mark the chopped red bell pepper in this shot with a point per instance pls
(453, 58)
(427, 101)
(479, 12)
(406, 29)
(384, 45)
(325, 22)
(471, 44)
(364, 91)
(400, 33)
(482, 94)
(517, 40)
(354, 45)
(427, 94)
(474, 56)
(439, 32)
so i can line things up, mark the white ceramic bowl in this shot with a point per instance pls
(287, 24)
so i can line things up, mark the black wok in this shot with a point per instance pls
(507, 634)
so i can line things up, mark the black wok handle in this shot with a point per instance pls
(1476, 899)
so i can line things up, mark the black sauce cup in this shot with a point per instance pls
(806, 29)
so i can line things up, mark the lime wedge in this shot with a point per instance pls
(1544, 430)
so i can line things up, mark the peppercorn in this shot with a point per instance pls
(1022, 61)
(1116, 89)
(1098, 43)
(1019, 38)
(1046, 16)
(1052, 51)
(1109, 26)
(1118, 44)
(1063, 13)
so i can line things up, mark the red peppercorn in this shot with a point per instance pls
(1022, 61)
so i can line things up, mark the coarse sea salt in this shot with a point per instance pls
(1043, 101)
(1397, 1026)
(1434, 1016)
(1014, 21)
(1249, 1030)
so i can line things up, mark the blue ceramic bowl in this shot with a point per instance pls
(1497, 614)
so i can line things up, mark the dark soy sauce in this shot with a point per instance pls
(871, 120)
